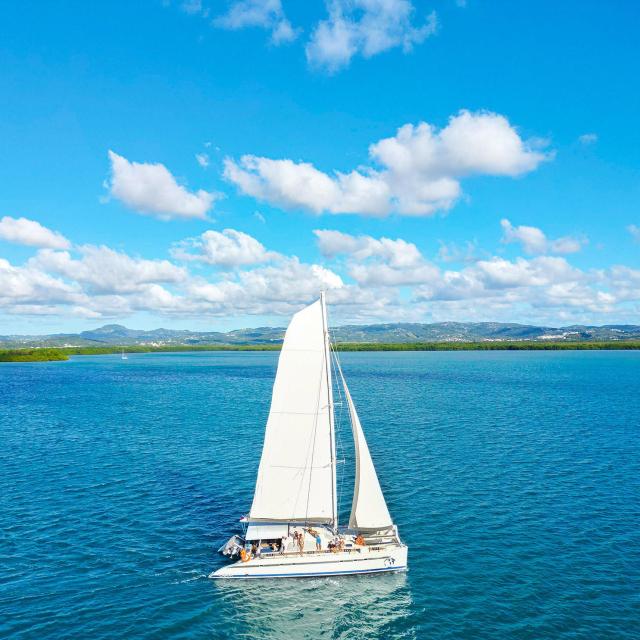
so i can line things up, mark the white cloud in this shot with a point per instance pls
(377, 262)
(397, 253)
(31, 233)
(541, 282)
(368, 279)
(419, 170)
(567, 244)
(588, 138)
(103, 270)
(634, 230)
(366, 28)
(151, 189)
(499, 273)
(202, 159)
(229, 248)
(24, 285)
(300, 185)
(534, 241)
(266, 14)
(273, 289)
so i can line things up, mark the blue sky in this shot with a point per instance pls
(422, 161)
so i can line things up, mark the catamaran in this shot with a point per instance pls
(292, 528)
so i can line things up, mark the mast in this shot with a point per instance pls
(332, 439)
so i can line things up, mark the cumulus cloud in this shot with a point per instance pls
(495, 284)
(366, 28)
(534, 241)
(273, 289)
(300, 185)
(31, 233)
(417, 171)
(103, 270)
(397, 253)
(368, 279)
(228, 248)
(151, 189)
(266, 14)
(377, 262)
(29, 285)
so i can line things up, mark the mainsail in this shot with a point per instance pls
(296, 478)
(368, 510)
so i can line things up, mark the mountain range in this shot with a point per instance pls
(115, 334)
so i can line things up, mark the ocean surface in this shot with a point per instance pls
(514, 477)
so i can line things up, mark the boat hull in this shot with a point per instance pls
(311, 564)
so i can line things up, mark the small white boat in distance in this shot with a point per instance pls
(124, 357)
(292, 528)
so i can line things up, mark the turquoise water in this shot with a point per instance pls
(514, 479)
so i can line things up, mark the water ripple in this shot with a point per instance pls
(514, 478)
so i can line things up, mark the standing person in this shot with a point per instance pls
(301, 542)
(317, 538)
(283, 544)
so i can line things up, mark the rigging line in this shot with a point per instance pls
(339, 432)
(342, 387)
(326, 343)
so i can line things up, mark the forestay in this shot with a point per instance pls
(296, 477)
(369, 510)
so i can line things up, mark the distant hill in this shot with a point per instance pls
(116, 334)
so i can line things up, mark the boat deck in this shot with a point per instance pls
(361, 559)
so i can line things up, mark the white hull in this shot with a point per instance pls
(313, 564)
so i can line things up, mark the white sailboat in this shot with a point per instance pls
(123, 356)
(292, 528)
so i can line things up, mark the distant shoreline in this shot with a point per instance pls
(50, 354)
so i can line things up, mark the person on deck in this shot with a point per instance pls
(301, 542)
(360, 540)
(316, 536)
(283, 544)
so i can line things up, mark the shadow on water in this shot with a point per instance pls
(353, 607)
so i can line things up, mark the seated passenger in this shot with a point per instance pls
(360, 540)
